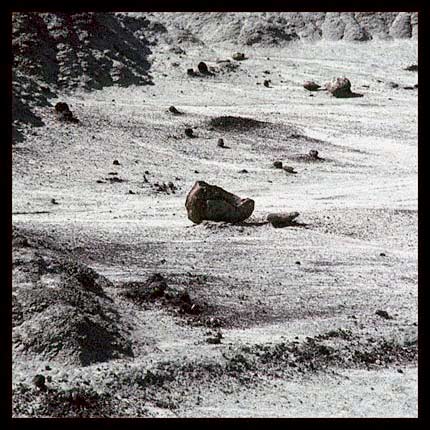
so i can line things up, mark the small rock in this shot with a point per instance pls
(382, 254)
(54, 202)
(313, 153)
(203, 68)
(279, 220)
(39, 382)
(131, 192)
(416, 86)
(383, 314)
(412, 68)
(220, 143)
(298, 262)
(243, 171)
(408, 88)
(190, 72)
(277, 164)
(400, 370)
(172, 109)
(238, 56)
(266, 83)
(311, 86)
(115, 163)
(289, 169)
(99, 181)
(189, 132)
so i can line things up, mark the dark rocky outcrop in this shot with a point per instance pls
(212, 203)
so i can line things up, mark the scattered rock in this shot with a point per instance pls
(279, 220)
(277, 164)
(341, 88)
(203, 68)
(212, 203)
(383, 314)
(311, 86)
(412, 68)
(116, 163)
(238, 56)
(189, 132)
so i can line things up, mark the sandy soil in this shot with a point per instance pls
(353, 252)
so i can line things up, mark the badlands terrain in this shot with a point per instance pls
(122, 307)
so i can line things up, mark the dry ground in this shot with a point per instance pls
(268, 290)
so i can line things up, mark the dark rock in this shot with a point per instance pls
(279, 220)
(416, 86)
(191, 72)
(115, 163)
(289, 169)
(408, 88)
(189, 132)
(238, 56)
(64, 114)
(277, 164)
(313, 153)
(341, 88)
(311, 86)
(393, 85)
(131, 192)
(412, 68)
(212, 203)
(266, 83)
(203, 68)
(39, 382)
(62, 107)
(383, 314)
(54, 202)
(173, 110)
(382, 254)
(220, 143)
(243, 171)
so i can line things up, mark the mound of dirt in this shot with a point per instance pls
(235, 123)
(60, 309)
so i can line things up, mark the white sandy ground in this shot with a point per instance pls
(359, 203)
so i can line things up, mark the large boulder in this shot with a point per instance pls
(212, 203)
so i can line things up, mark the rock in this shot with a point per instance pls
(115, 163)
(279, 220)
(191, 72)
(62, 107)
(238, 56)
(289, 169)
(408, 87)
(63, 113)
(313, 153)
(39, 382)
(203, 68)
(401, 27)
(416, 86)
(212, 203)
(173, 110)
(311, 86)
(220, 143)
(339, 87)
(189, 132)
(54, 202)
(266, 83)
(243, 171)
(277, 164)
(412, 68)
(383, 314)
(393, 85)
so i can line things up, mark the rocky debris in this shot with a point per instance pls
(64, 113)
(116, 163)
(212, 203)
(220, 143)
(203, 68)
(238, 56)
(173, 110)
(279, 220)
(341, 88)
(412, 68)
(277, 164)
(189, 132)
(311, 86)
(235, 123)
(383, 314)
(114, 179)
(289, 169)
